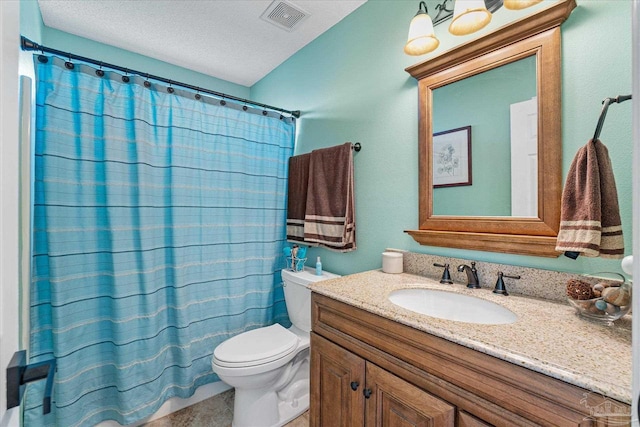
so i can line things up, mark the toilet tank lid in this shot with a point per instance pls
(256, 346)
(306, 276)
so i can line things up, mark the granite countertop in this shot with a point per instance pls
(548, 337)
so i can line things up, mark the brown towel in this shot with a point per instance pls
(330, 218)
(297, 196)
(590, 218)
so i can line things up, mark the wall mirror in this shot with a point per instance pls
(490, 171)
(489, 166)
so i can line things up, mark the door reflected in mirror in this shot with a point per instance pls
(495, 172)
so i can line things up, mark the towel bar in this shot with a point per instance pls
(19, 373)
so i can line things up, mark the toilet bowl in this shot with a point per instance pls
(269, 366)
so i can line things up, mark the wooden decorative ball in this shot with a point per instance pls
(579, 290)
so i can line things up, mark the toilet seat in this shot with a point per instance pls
(256, 347)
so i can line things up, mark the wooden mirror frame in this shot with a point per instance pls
(539, 35)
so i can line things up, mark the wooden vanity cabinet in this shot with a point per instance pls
(349, 391)
(337, 378)
(414, 378)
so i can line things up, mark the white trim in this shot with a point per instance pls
(11, 418)
(9, 181)
(636, 205)
(25, 166)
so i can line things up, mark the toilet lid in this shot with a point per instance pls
(256, 347)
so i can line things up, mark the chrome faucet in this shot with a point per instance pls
(472, 275)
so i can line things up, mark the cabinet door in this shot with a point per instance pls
(337, 382)
(394, 402)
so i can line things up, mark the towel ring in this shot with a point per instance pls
(603, 112)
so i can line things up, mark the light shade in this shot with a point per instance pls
(469, 16)
(519, 4)
(422, 38)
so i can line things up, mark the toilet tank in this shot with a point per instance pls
(297, 294)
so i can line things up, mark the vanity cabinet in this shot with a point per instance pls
(349, 391)
(415, 378)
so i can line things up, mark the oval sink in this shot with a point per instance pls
(452, 306)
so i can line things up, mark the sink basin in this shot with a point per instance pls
(452, 306)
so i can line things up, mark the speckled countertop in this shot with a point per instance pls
(548, 337)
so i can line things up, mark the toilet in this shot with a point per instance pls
(269, 367)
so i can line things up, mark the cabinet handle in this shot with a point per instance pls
(367, 393)
(354, 385)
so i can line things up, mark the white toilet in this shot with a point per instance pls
(269, 367)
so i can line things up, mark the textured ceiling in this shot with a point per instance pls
(222, 38)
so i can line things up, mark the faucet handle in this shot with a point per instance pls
(446, 276)
(500, 287)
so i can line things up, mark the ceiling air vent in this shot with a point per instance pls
(284, 15)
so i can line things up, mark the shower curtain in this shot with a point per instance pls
(159, 221)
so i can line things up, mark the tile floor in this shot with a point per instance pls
(216, 411)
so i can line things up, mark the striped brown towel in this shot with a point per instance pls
(297, 196)
(330, 217)
(590, 217)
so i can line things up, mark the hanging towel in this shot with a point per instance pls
(330, 218)
(590, 218)
(297, 196)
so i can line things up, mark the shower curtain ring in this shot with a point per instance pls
(170, 89)
(198, 96)
(68, 64)
(125, 78)
(223, 102)
(42, 58)
(147, 83)
(99, 72)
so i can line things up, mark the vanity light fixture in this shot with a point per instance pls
(519, 4)
(469, 16)
(422, 38)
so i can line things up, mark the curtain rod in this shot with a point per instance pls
(27, 44)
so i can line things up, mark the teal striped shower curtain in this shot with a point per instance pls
(159, 221)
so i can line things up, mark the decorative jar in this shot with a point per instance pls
(600, 297)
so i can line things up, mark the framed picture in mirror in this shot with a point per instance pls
(452, 158)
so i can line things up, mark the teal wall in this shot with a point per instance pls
(31, 20)
(31, 27)
(351, 85)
